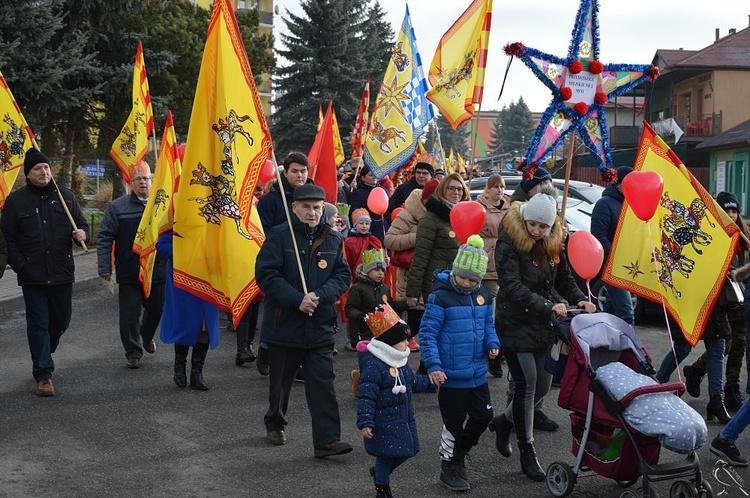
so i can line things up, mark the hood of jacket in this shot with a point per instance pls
(514, 225)
(612, 191)
(414, 205)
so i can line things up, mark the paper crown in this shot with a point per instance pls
(343, 209)
(382, 319)
(373, 258)
(139, 168)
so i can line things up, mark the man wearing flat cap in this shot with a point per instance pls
(298, 319)
(40, 240)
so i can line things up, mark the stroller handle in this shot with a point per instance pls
(677, 387)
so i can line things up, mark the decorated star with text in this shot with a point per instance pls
(581, 87)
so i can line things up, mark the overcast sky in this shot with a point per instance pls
(631, 31)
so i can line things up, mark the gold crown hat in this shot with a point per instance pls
(386, 325)
(138, 169)
(372, 259)
(343, 209)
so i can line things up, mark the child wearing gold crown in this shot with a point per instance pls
(385, 414)
(457, 335)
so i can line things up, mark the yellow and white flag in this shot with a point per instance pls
(228, 141)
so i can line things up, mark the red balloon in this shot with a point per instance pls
(467, 218)
(267, 171)
(377, 201)
(642, 190)
(395, 212)
(585, 254)
(181, 151)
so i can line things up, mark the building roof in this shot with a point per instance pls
(733, 138)
(670, 57)
(729, 52)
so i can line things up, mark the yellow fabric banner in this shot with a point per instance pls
(457, 69)
(158, 216)
(131, 144)
(15, 140)
(691, 238)
(228, 141)
(338, 147)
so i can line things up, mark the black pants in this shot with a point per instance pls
(317, 367)
(248, 323)
(48, 311)
(455, 406)
(131, 328)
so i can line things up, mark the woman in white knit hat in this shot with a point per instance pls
(534, 281)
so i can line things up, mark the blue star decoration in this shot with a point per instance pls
(581, 85)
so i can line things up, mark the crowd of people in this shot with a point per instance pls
(400, 282)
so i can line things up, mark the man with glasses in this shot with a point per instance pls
(119, 226)
(423, 172)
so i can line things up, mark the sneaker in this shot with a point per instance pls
(45, 388)
(355, 382)
(726, 449)
(544, 423)
(413, 346)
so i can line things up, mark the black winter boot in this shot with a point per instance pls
(245, 353)
(502, 427)
(693, 380)
(180, 363)
(383, 491)
(716, 408)
(733, 400)
(196, 366)
(450, 477)
(529, 464)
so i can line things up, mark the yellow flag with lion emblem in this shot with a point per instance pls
(682, 254)
(217, 232)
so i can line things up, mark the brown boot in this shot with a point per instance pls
(45, 388)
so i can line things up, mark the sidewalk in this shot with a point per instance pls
(11, 297)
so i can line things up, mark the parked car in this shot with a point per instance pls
(578, 208)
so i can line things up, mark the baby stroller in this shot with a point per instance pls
(614, 401)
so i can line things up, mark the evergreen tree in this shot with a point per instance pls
(513, 129)
(329, 54)
(376, 45)
(450, 138)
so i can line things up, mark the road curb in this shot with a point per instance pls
(16, 303)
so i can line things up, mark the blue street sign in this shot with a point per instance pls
(93, 170)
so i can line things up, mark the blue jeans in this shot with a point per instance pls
(738, 423)
(48, 311)
(619, 303)
(384, 466)
(714, 363)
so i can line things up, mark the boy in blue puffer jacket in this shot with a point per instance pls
(457, 335)
(385, 414)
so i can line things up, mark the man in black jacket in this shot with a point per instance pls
(422, 174)
(39, 237)
(119, 226)
(298, 325)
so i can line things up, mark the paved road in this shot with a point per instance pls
(116, 432)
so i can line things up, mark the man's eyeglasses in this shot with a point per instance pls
(141, 178)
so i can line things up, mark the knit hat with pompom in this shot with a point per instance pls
(471, 260)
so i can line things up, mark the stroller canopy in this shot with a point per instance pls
(602, 337)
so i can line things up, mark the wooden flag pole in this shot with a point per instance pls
(568, 167)
(62, 201)
(474, 142)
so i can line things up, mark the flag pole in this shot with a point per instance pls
(474, 141)
(62, 200)
(291, 227)
(440, 143)
(568, 167)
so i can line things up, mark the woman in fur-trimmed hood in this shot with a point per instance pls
(534, 281)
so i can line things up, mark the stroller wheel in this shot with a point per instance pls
(706, 491)
(560, 479)
(683, 489)
(638, 493)
(627, 484)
